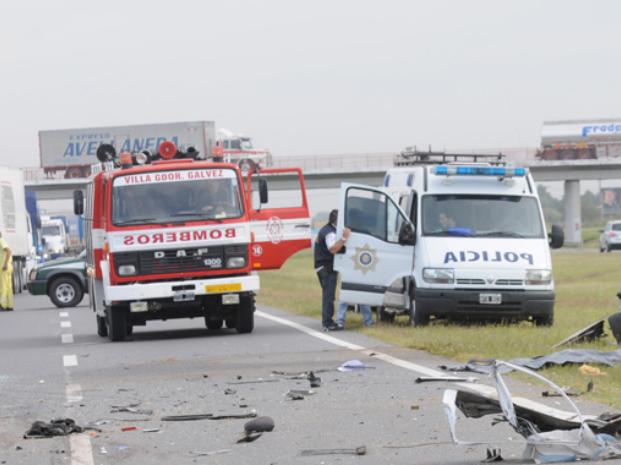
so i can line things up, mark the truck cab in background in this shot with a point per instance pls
(449, 238)
(238, 149)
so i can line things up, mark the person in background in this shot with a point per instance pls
(341, 313)
(6, 276)
(326, 245)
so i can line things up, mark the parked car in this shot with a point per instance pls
(610, 237)
(63, 280)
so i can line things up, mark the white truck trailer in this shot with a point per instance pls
(15, 225)
(74, 150)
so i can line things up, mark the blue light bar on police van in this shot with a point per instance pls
(498, 171)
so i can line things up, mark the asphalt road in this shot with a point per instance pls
(53, 365)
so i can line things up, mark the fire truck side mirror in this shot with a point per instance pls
(78, 202)
(263, 190)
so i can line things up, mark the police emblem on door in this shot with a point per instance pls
(365, 259)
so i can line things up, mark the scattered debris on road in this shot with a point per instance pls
(361, 450)
(449, 379)
(131, 408)
(57, 427)
(315, 381)
(209, 416)
(589, 370)
(126, 429)
(212, 452)
(353, 365)
(256, 381)
(253, 429)
(229, 392)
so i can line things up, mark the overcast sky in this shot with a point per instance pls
(309, 77)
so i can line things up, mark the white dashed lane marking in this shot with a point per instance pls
(63, 314)
(66, 338)
(65, 324)
(70, 360)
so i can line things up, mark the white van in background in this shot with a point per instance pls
(456, 240)
(53, 236)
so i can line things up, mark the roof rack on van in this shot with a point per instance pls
(411, 156)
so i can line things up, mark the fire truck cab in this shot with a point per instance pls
(179, 238)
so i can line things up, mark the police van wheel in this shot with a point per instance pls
(546, 320)
(245, 314)
(383, 315)
(417, 318)
(117, 323)
(213, 323)
(102, 328)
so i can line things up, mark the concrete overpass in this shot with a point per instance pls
(569, 172)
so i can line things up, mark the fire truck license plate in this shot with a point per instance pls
(183, 296)
(490, 299)
(222, 288)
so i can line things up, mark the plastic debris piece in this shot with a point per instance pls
(361, 450)
(229, 392)
(212, 452)
(256, 381)
(151, 430)
(103, 450)
(125, 429)
(249, 437)
(352, 365)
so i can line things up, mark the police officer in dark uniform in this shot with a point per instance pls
(326, 245)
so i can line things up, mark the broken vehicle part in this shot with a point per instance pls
(362, 450)
(130, 409)
(315, 381)
(213, 452)
(209, 416)
(256, 381)
(586, 334)
(353, 365)
(259, 425)
(493, 455)
(450, 379)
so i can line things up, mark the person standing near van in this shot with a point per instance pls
(326, 245)
(6, 276)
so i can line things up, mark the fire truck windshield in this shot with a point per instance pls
(174, 196)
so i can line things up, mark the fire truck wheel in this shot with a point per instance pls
(213, 323)
(231, 323)
(117, 323)
(102, 328)
(65, 292)
(130, 330)
(245, 314)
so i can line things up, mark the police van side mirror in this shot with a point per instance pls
(556, 237)
(78, 202)
(263, 190)
(407, 234)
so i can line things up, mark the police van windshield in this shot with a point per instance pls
(175, 196)
(50, 230)
(481, 216)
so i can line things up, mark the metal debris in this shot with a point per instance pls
(493, 455)
(209, 416)
(361, 450)
(256, 381)
(449, 379)
(315, 381)
(586, 334)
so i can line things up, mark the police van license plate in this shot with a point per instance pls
(490, 299)
(183, 296)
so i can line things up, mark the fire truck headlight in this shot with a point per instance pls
(438, 275)
(236, 262)
(127, 270)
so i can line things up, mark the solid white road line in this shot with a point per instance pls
(70, 360)
(63, 314)
(420, 369)
(66, 338)
(65, 324)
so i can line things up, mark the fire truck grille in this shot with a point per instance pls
(181, 260)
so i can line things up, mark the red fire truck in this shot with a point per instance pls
(178, 238)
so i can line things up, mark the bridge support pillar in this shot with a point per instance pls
(573, 225)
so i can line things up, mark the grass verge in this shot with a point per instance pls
(586, 286)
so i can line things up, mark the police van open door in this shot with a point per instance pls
(280, 219)
(376, 265)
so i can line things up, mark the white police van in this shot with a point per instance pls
(450, 239)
